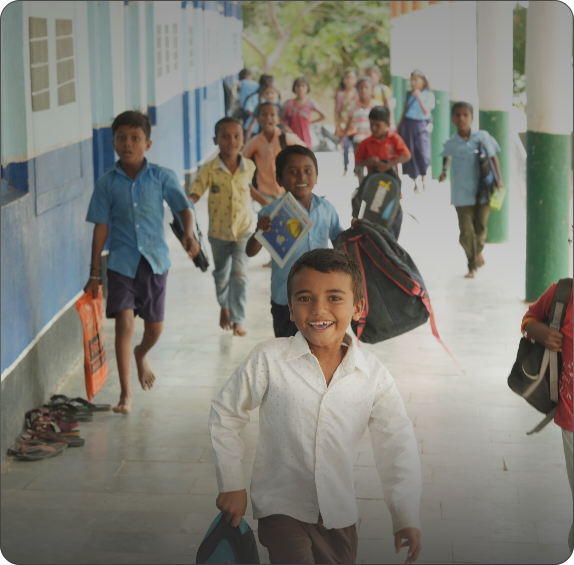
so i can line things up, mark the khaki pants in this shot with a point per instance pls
(472, 224)
(291, 541)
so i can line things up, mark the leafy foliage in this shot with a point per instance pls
(324, 43)
(518, 56)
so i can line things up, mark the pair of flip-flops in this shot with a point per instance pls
(34, 450)
(78, 403)
(42, 419)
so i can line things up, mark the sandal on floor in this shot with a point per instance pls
(34, 450)
(52, 437)
(80, 402)
(71, 404)
(71, 414)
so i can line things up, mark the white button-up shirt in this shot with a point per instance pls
(308, 434)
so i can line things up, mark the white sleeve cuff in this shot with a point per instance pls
(406, 514)
(230, 478)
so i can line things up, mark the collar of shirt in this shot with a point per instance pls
(142, 171)
(224, 168)
(354, 358)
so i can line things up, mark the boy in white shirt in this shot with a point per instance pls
(317, 392)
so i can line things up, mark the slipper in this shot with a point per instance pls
(71, 414)
(51, 437)
(79, 402)
(34, 450)
(43, 423)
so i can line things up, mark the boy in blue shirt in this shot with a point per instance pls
(130, 196)
(296, 170)
(472, 209)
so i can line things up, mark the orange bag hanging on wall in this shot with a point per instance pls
(95, 363)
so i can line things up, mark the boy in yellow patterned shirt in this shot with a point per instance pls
(228, 178)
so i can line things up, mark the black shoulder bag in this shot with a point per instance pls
(535, 373)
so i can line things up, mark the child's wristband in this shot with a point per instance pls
(94, 278)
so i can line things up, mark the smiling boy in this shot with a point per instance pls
(130, 197)
(317, 393)
(228, 178)
(296, 169)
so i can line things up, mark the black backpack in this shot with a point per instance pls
(225, 544)
(535, 373)
(396, 300)
(378, 198)
(488, 181)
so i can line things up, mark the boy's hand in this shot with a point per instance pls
(191, 245)
(232, 505)
(413, 537)
(383, 167)
(545, 335)
(93, 285)
(442, 177)
(264, 223)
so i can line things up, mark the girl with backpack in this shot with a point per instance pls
(414, 127)
(297, 112)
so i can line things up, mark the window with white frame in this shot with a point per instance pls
(175, 48)
(65, 62)
(159, 49)
(39, 71)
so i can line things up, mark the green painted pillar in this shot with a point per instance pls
(495, 96)
(399, 95)
(441, 130)
(548, 145)
(497, 124)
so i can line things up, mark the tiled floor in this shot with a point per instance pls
(142, 490)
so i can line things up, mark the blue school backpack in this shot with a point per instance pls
(225, 544)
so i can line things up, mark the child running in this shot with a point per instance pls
(359, 119)
(297, 170)
(130, 196)
(413, 127)
(317, 393)
(345, 98)
(228, 177)
(472, 208)
(297, 112)
(382, 151)
(268, 94)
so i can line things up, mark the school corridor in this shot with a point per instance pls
(142, 489)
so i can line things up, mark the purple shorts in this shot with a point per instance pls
(145, 294)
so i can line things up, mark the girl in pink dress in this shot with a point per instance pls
(297, 112)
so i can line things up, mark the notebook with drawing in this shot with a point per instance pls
(290, 223)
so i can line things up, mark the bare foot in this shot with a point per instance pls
(471, 274)
(417, 191)
(239, 330)
(267, 265)
(124, 405)
(480, 260)
(145, 373)
(424, 186)
(224, 319)
(345, 173)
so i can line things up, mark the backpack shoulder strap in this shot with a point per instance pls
(283, 140)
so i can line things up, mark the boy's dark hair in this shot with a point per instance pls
(244, 73)
(380, 114)
(329, 261)
(364, 79)
(260, 107)
(301, 79)
(283, 157)
(265, 81)
(227, 120)
(458, 105)
(133, 119)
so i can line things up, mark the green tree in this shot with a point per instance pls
(318, 39)
(519, 55)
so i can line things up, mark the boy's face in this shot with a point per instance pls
(230, 139)
(379, 129)
(462, 119)
(365, 91)
(269, 118)
(270, 95)
(322, 305)
(299, 176)
(131, 145)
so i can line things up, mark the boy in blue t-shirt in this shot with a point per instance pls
(472, 209)
(130, 196)
(296, 170)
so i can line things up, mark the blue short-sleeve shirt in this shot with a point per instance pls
(415, 110)
(326, 227)
(135, 210)
(465, 174)
(246, 88)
